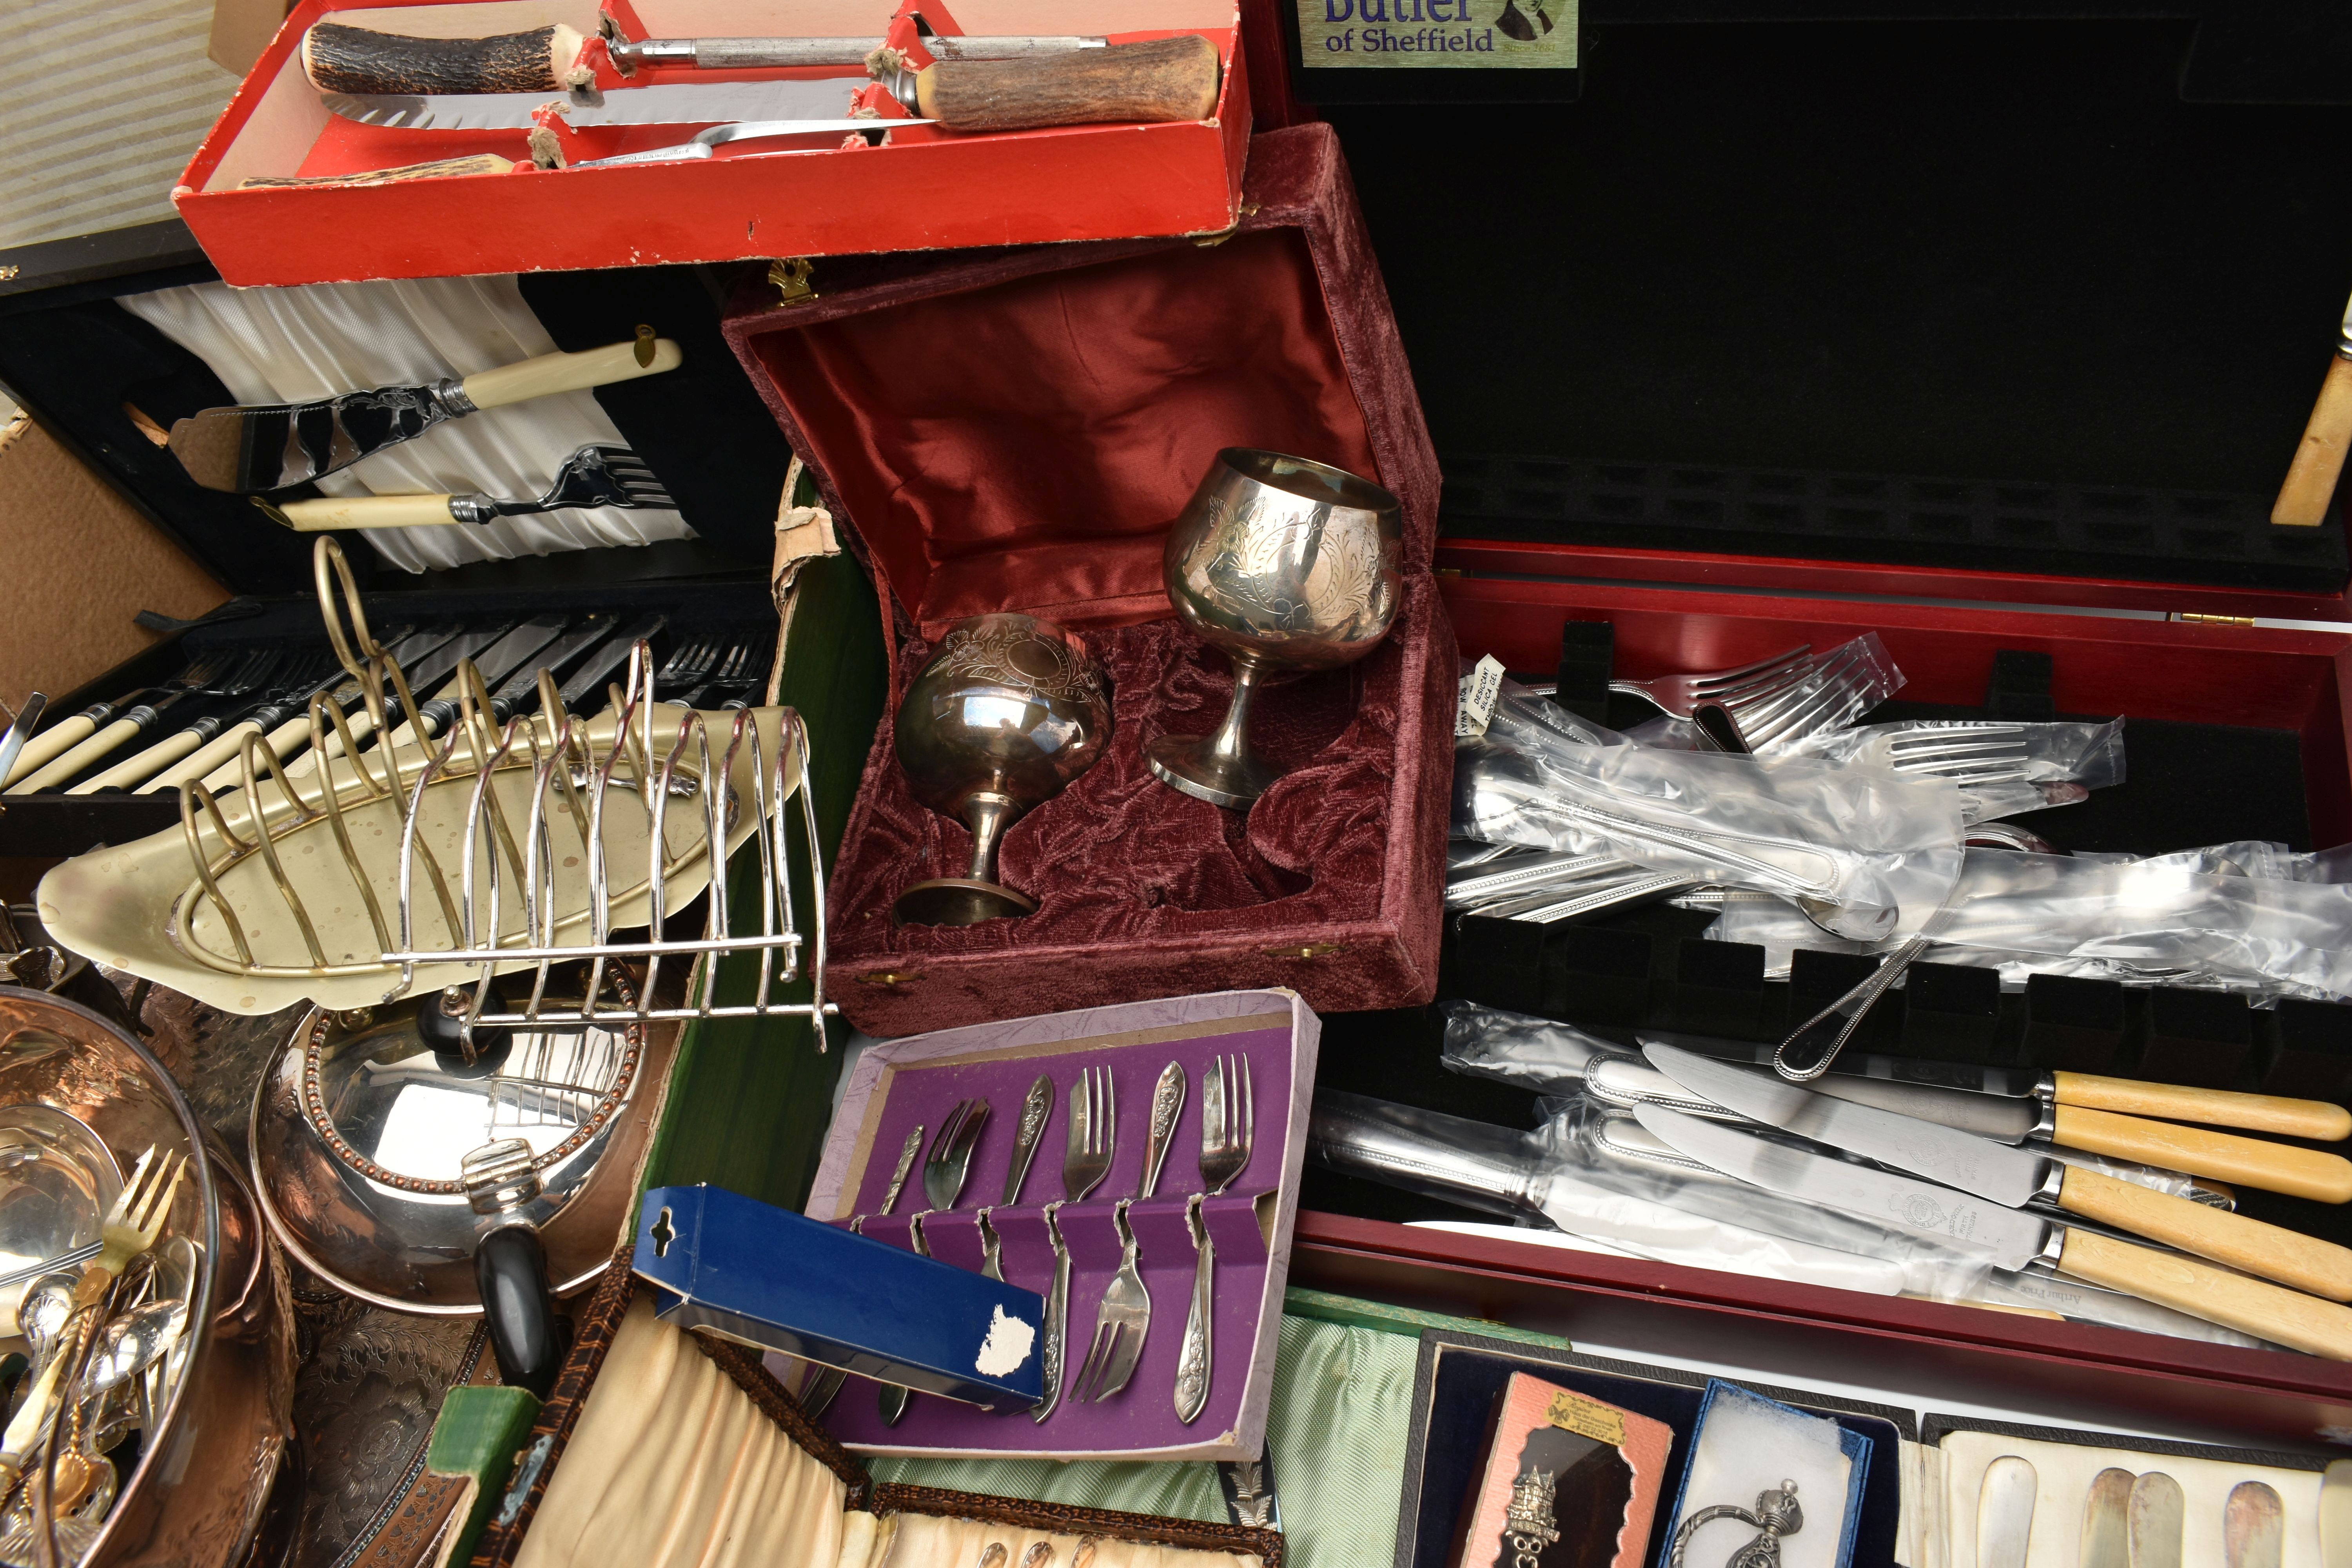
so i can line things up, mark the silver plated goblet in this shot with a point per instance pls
(1007, 712)
(1286, 564)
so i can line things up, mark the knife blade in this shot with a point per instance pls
(20, 730)
(2005, 1512)
(2106, 1522)
(2015, 1177)
(824, 102)
(254, 448)
(590, 675)
(510, 698)
(1921, 1208)
(2010, 1238)
(496, 664)
(1036, 1107)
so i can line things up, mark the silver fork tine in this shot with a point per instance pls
(1249, 1109)
(1747, 686)
(1713, 681)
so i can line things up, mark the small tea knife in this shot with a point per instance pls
(2253, 1527)
(1036, 1109)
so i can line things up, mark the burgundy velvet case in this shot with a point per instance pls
(1015, 429)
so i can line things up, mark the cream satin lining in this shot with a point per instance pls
(673, 1465)
(920, 1540)
(279, 345)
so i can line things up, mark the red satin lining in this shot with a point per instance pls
(1025, 445)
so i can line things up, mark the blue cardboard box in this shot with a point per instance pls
(765, 1277)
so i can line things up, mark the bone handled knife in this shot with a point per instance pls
(2015, 1177)
(251, 449)
(2010, 1238)
(2319, 457)
(2015, 1103)
(2195, 1150)
(1156, 80)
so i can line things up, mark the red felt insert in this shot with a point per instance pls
(1027, 445)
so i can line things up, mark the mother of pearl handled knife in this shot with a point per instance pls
(2015, 1177)
(2158, 1506)
(254, 448)
(1156, 80)
(2012, 1239)
(2253, 1527)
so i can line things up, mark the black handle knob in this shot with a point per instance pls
(527, 1337)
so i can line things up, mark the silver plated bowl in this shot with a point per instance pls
(1284, 564)
(1006, 712)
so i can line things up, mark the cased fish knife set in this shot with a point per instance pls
(913, 785)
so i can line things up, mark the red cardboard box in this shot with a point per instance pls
(1015, 431)
(809, 195)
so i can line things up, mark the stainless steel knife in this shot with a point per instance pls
(254, 448)
(2012, 1240)
(2014, 1176)
(1036, 1107)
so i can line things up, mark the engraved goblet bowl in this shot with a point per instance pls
(1006, 712)
(1285, 565)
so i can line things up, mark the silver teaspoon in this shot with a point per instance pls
(133, 1343)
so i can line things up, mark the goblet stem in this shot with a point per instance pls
(988, 815)
(1230, 746)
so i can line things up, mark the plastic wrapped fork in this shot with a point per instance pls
(1857, 846)
(1972, 752)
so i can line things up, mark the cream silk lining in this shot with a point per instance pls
(672, 1465)
(280, 345)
